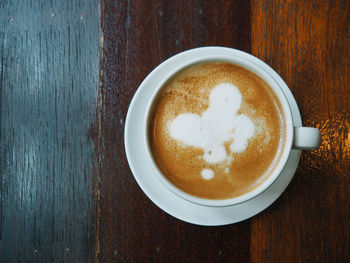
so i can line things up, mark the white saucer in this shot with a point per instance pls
(164, 198)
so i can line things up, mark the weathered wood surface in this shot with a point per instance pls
(307, 43)
(67, 192)
(49, 79)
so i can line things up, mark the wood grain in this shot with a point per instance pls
(138, 35)
(307, 43)
(68, 72)
(49, 80)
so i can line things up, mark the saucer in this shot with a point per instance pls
(157, 192)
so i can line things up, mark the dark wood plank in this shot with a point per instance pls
(49, 80)
(138, 35)
(307, 42)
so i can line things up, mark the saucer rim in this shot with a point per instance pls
(135, 109)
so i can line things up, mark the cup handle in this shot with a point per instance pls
(306, 138)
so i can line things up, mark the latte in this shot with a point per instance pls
(216, 130)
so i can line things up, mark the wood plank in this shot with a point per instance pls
(307, 43)
(49, 80)
(138, 35)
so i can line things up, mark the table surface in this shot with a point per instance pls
(68, 72)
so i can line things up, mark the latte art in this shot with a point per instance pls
(217, 125)
(216, 130)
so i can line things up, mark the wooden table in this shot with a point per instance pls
(68, 72)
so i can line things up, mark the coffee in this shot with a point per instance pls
(216, 130)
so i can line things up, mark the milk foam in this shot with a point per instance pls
(219, 124)
(207, 174)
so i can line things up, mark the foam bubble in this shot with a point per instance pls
(220, 123)
(207, 174)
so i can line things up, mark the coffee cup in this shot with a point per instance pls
(218, 130)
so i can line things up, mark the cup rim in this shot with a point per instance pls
(259, 70)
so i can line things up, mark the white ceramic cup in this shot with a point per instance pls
(296, 137)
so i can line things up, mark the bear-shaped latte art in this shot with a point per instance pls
(219, 124)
